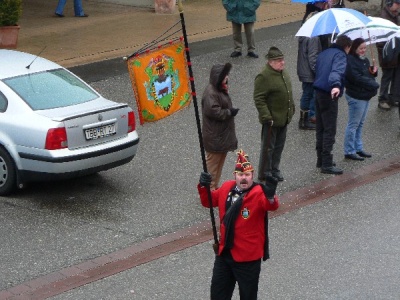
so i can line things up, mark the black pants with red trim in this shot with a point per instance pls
(227, 272)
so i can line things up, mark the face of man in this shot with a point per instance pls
(347, 50)
(395, 8)
(277, 64)
(244, 180)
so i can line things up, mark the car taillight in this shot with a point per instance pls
(131, 121)
(56, 139)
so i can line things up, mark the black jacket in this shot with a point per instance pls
(359, 82)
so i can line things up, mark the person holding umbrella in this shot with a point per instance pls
(390, 80)
(329, 85)
(361, 86)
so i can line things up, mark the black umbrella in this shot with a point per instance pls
(391, 49)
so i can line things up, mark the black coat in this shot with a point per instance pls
(359, 82)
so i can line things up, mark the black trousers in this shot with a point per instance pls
(227, 272)
(326, 115)
(272, 143)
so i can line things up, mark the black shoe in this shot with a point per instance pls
(384, 106)
(252, 54)
(306, 126)
(363, 154)
(59, 15)
(236, 54)
(353, 157)
(332, 170)
(319, 164)
(278, 176)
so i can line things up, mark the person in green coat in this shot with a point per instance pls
(274, 102)
(242, 12)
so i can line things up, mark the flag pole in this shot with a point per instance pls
(196, 109)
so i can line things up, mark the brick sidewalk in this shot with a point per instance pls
(113, 30)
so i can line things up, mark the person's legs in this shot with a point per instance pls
(78, 8)
(327, 112)
(319, 129)
(307, 103)
(279, 139)
(383, 98)
(215, 162)
(364, 109)
(267, 143)
(247, 275)
(223, 281)
(356, 112)
(237, 36)
(329, 118)
(312, 106)
(60, 7)
(307, 96)
(395, 87)
(249, 31)
(220, 166)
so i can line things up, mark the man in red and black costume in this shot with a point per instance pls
(243, 206)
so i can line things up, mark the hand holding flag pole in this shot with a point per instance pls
(196, 109)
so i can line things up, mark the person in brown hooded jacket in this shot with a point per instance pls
(218, 126)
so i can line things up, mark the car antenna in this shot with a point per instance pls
(28, 66)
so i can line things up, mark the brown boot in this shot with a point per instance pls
(304, 123)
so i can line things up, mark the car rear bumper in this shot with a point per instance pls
(32, 176)
(69, 164)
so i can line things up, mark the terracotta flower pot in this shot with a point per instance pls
(9, 36)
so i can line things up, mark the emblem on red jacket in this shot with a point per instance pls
(245, 213)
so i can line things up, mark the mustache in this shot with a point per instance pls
(243, 181)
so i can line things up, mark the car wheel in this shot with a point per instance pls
(7, 173)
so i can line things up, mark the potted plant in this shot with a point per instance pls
(10, 12)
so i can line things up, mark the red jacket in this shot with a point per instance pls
(249, 226)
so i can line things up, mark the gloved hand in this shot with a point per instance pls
(270, 186)
(270, 122)
(205, 179)
(234, 111)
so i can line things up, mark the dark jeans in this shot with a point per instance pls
(227, 272)
(307, 100)
(390, 85)
(272, 143)
(326, 115)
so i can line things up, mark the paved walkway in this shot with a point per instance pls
(114, 30)
(114, 263)
(111, 31)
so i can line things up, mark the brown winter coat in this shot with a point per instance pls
(218, 128)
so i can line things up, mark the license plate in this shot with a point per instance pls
(100, 132)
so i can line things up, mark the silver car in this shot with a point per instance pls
(55, 126)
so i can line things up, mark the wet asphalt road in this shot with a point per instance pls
(49, 226)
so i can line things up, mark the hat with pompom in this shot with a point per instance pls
(243, 164)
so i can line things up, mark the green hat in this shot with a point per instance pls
(274, 53)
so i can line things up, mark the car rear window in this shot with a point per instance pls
(51, 89)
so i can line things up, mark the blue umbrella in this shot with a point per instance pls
(331, 21)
